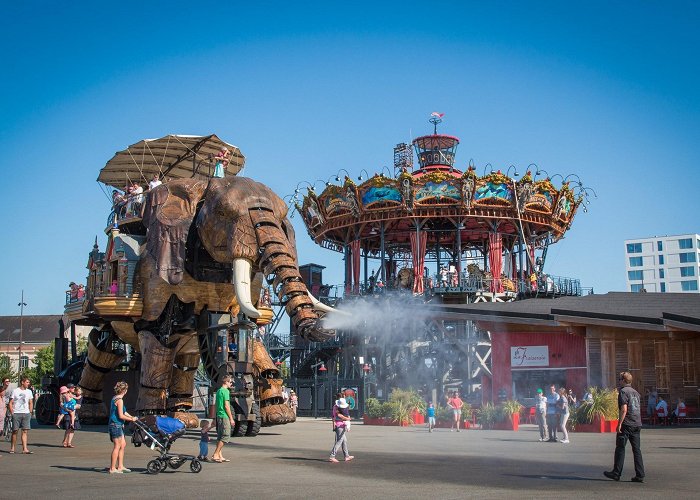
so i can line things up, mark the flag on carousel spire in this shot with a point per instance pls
(436, 118)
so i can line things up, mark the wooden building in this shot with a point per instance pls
(578, 342)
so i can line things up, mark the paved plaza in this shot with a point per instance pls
(391, 462)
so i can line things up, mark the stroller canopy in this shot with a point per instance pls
(168, 425)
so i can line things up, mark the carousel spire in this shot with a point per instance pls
(435, 118)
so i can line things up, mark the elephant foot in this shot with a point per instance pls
(93, 412)
(189, 419)
(276, 414)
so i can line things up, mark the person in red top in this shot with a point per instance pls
(456, 404)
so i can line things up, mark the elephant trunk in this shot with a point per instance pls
(277, 258)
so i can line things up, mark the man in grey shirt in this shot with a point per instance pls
(628, 428)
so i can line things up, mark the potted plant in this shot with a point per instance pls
(599, 412)
(375, 412)
(511, 410)
(488, 415)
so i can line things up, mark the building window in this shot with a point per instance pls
(687, 271)
(663, 287)
(661, 364)
(635, 262)
(634, 362)
(634, 248)
(689, 363)
(685, 243)
(23, 363)
(661, 260)
(687, 257)
(607, 363)
(689, 286)
(636, 288)
(662, 274)
(635, 275)
(660, 246)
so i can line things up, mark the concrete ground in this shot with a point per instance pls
(291, 461)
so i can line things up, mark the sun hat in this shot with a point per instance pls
(342, 403)
(63, 389)
(70, 386)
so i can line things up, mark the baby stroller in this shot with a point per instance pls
(159, 433)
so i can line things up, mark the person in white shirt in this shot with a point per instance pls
(155, 182)
(541, 413)
(21, 407)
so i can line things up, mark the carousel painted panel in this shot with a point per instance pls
(379, 192)
(565, 205)
(338, 201)
(542, 200)
(494, 189)
(311, 212)
(433, 191)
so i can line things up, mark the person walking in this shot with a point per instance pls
(21, 407)
(628, 429)
(430, 413)
(552, 415)
(455, 403)
(341, 420)
(117, 417)
(224, 418)
(541, 414)
(563, 409)
(4, 393)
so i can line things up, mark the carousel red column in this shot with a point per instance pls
(355, 251)
(496, 261)
(419, 240)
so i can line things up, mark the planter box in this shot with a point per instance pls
(372, 421)
(508, 425)
(598, 426)
(418, 418)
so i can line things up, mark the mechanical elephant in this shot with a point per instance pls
(208, 247)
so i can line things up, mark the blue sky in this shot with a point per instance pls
(609, 92)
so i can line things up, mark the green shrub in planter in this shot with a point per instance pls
(489, 414)
(510, 408)
(443, 414)
(374, 408)
(603, 405)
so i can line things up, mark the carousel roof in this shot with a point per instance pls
(172, 157)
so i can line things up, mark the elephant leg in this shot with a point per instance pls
(268, 382)
(100, 361)
(156, 372)
(181, 388)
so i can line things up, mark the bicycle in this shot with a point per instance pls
(8, 427)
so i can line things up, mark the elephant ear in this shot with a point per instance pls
(167, 215)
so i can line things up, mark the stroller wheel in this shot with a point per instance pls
(196, 466)
(153, 467)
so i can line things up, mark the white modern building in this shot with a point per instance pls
(663, 264)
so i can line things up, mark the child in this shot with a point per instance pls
(204, 441)
(431, 417)
(67, 407)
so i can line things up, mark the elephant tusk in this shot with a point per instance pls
(320, 306)
(241, 285)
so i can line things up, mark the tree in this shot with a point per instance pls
(6, 370)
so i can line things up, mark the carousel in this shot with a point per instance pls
(433, 231)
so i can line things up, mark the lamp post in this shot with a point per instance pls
(365, 371)
(359, 177)
(321, 368)
(21, 305)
